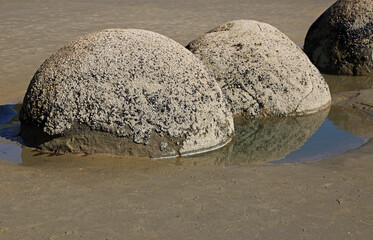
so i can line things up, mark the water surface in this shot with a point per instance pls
(276, 140)
(348, 83)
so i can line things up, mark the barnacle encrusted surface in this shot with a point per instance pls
(261, 71)
(125, 91)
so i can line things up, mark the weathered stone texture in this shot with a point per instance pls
(340, 41)
(130, 92)
(260, 70)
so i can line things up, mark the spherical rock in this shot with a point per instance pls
(260, 70)
(130, 92)
(340, 41)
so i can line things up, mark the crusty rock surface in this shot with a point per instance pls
(340, 41)
(131, 92)
(260, 70)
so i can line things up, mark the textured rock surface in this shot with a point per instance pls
(340, 41)
(260, 70)
(130, 92)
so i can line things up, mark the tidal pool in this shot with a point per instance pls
(275, 140)
(289, 140)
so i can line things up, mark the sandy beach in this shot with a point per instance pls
(101, 196)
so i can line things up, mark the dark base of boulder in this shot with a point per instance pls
(82, 139)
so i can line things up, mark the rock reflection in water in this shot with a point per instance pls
(351, 120)
(9, 123)
(345, 129)
(339, 83)
(255, 141)
(10, 141)
(259, 140)
(7, 113)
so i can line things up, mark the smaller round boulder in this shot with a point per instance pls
(261, 71)
(125, 91)
(340, 41)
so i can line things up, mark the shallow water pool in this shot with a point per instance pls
(273, 140)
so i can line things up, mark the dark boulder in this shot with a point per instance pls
(340, 41)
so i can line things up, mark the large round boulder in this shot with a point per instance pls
(340, 41)
(130, 92)
(260, 70)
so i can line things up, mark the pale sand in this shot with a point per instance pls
(67, 197)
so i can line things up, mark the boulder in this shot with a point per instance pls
(128, 92)
(260, 70)
(340, 41)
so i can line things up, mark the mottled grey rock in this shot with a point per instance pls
(340, 41)
(260, 70)
(131, 92)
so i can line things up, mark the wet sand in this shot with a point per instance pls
(59, 198)
(110, 197)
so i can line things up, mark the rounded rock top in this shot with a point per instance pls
(260, 70)
(340, 41)
(125, 91)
